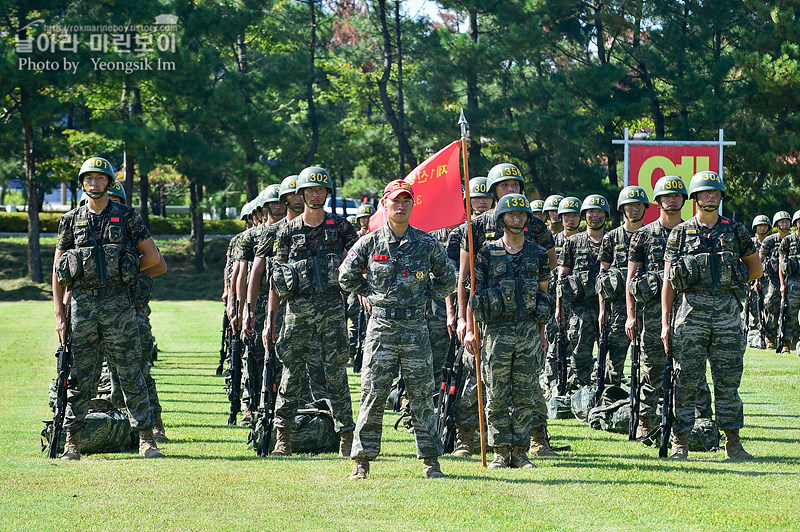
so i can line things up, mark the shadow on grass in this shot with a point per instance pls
(184, 392)
(567, 481)
(663, 464)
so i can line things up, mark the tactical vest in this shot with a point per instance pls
(772, 260)
(507, 295)
(94, 264)
(709, 264)
(316, 273)
(621, 240)
(646, 288)
(586, 267)
(791, 261)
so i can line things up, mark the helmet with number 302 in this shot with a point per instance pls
(512, 203)
(632, 194)
(314, 176)
(504, 172)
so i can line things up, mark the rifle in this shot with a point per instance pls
(668, 397)
(561, 353)
(762, 325)
(63, 368)
(361, 329)
(448, 394)
(252, 375)
(235, 385)
(748, 294)
(781, 324)
(401, 389)
(269, 388)
(223, 346)
(635, 368)
(602, 355)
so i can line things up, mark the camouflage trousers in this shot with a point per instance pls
(582, 334)
(708, 326)
(652, 362)
(146, 339)
(772, 308)
(792, 331)
(256, 358)
(618, 342)
(105, 326)
(439, 336)
(391, 346)
(466, 409)
(510, 369)
(314, 328)
(353, 307)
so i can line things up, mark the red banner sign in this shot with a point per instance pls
(438, 199)
(648, 164)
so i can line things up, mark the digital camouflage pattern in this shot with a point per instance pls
(708, 324)
(614, 250)
(402, 275)
(550, 369)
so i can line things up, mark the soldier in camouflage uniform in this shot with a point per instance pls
(506, 179)
(550, 208)
(405, 267)
(436, 318)
(308, 252)
(569, 214)
(94, 259)
(365, 212)
(510, 299)
(537, 207)
(632, 202)
(708, 259)
(466, 409)
(647, 247)
(769, 286)
(789, 272)
(578, 269)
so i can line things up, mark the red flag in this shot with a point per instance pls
(438, 199)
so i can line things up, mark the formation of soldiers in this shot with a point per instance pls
(297, 274)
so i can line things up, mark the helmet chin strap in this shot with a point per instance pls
(596, 225)
(708, 208)
(637, 220)
(314, 206)
(96, 195)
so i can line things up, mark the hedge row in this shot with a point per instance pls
(17, 222)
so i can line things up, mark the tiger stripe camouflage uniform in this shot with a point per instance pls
(314, 322)
(485, 228)
(614, 250)
(103, 321)
(770, 284)
(790, 251)
(550, 366)
(511, 344)
(436, 313)
(707, 321)
(402, 274)
(648, 245)
(581, 254)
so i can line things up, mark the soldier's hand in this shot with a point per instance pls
(233, 318)
(249, 322)
(267, 336)
(61, 329)
(665, 336)
(452, 323)
(461, 329)
(469, 343)
(545, 343)
(630, 326)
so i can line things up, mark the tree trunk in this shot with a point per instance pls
(313, 119)
(196, 216)
(250, 156)
(34, 205)
(474, 149)
(400, 101)
(383, 83)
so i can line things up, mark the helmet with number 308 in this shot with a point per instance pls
(706, 180)
(669, 184)
(632, 194)
(512, 203)
(504, 172)
(314, 176)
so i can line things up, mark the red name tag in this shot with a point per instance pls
(725, 221)
(525, 230)
(383, 258)
(115, 219)
(329, 222)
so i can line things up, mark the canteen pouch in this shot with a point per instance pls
(588, 284)
(568, 289)
(333, 261)
(789, 266)
(129, 266)
(284, 281)
(545, 306)
(685, 273)
(610, 283)
(69, 268)
(91, 271)
(487, 304)
(141, 290)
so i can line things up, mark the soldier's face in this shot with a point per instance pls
(399, 209)
(633, 211)
(295, 201)
(595, 218)
(762, 229)
(708, 199)
(553, 217)
(784, 225)
(515, 221)
(571, 220)
(506, 187)
(481, 204)
(315, 196)
(671, 202)
(363, 222)
(542, 216)
(95, 182)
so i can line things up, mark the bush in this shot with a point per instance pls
(17, 222)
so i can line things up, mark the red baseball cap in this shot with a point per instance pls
(397, 187)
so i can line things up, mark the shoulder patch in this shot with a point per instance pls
(725, 221)
(352, 256)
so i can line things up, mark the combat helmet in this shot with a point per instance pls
(365, 210)
(116, 189)
(504, 172)
(478, 188)
(537, 205)
(314, 176)
(632, 194)
(569, 204)
(596, 201)
(669, 184)
(551, 202)
(780, 215)
(512, 203)
(97, 164)
(706, 180)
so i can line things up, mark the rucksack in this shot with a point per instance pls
(613, 414)
(107, 430)
(313, 430)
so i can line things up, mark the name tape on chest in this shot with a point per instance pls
(380, 258)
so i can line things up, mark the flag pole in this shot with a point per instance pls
(462, 121)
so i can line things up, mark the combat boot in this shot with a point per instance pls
(247, 419)
(360, 469)
(770, 344)
(519, 460)
(72, 448)
(465, 436)
(159, 434)
(539, 444)
(283, 442)
(345, 444)
(643, 430)
(147, 445)
(680, 446)
(502, 457)
(430, 468)
(733, 446)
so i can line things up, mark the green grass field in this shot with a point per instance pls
(211, 481)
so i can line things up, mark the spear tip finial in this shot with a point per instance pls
(462, 120)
